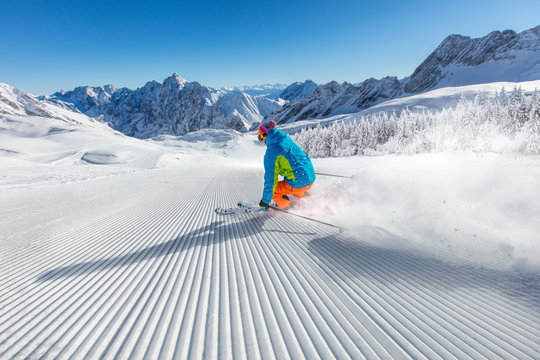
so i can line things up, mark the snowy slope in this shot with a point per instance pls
(40, 141)
(439, 260)
(436, 100)
(16, 102)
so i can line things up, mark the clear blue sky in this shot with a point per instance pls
(51, 45)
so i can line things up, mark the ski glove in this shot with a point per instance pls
(264, 206)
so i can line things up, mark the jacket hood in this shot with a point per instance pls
(275, 136)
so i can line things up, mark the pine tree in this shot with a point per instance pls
(356, 138)
(468, 127)
(301, 139)
(318, 141)
(502, 98)
(337, 134)
(481, 99)
(532, 127)
(323, 146)
(311, 142)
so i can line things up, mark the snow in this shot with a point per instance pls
(37, 149)
(109, 247)
(482, 208)
(525, 67)
(462, 204)
(448, 96)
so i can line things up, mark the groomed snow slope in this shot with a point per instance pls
(130, 261)
(142, 268)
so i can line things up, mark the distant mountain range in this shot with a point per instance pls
(457, 61)
(174, 107)
(177, 107)
(270, 91)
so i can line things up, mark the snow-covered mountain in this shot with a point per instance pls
(16, 102)
(248, 109)
(174, 107)
(86, 98)
(298, 91)
(457, 61)
(334, 98)
(460, 60)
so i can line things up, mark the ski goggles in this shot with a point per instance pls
(262, 136)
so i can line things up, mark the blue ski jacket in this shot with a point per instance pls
(283, 157)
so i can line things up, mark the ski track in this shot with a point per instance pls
(160, 275)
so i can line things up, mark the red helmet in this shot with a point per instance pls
(264, 129)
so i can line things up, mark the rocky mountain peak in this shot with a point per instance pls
(175, 80)
(85, 97)
(328, 90)
(298, 90)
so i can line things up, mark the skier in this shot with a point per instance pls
(283, 157)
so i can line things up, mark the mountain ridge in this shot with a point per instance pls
(298, 90)
(459, 60)
(174, 107)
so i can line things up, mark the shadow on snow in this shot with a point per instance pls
(210, 234)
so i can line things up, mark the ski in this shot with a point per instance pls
(340, 229)
(242, 208)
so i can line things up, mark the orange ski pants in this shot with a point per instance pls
(283, 188)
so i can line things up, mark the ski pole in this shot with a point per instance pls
(341, 176)
(308, 218)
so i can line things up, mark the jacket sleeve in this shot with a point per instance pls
(270, 175)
